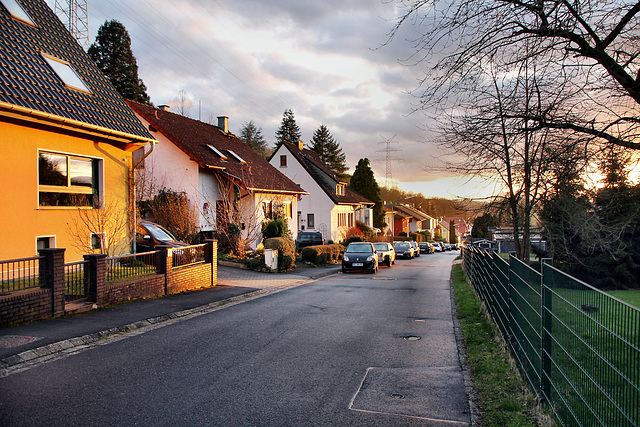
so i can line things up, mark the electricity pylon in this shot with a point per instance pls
(389, 154)
(73, 14)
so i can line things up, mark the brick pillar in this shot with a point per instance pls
(52, 274)
(211, 257)
(164, 265)
(95, 271)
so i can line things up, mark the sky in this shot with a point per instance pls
(330, 62)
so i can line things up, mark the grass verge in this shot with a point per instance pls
(503, 398)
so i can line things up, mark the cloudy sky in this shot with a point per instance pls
(327, 61)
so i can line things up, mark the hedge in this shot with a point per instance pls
(286, 251)
(322, 254)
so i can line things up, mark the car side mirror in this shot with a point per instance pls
(146, 237)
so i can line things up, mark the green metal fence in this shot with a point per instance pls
(577, 347)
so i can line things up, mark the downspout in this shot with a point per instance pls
(133, 192)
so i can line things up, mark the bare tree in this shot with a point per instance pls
(103, 230)
(591, 49)
(182, 104)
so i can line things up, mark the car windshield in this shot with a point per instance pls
(159, 233)
(402, 245)
(381, 246)
(359, 247)
(308, 237)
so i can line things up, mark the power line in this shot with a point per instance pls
(389, 154)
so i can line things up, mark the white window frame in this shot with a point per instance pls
(102, 240)
(52, 240)
(17, 12)
(66, 73)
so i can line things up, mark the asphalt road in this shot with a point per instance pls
(347, 350)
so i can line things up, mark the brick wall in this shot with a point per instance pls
(49, 302)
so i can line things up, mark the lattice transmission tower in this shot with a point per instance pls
(73, 14)
(389, 155)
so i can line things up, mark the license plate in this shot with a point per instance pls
(358, 264)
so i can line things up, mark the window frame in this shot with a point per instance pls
(95, 189)
(17, 12)
(311, 221)
(283, 161)
(287, 209)
(61, 68)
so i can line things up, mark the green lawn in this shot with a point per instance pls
(631, 297)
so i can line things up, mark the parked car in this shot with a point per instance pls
(360, 256)
(309, 238)
(425, 247)
(150, 236)
(386, 253)
(437, 247)
(416, 249)
(403, 249)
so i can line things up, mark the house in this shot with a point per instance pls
(462, 227)
(409, 219)
(331, 207)
(228, 182)
(67, 139)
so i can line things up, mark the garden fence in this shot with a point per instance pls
(576, 346)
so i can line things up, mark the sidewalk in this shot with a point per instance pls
(27, 342)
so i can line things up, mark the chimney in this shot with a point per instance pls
(300, 145)
(223, 123)
(164, 107)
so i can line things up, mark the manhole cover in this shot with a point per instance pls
(10, 341)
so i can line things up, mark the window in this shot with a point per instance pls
(267, 210)
(342, 219)
(68, 180)
(45, 242)
(17, 11)
(67, 74)
(340, 189)
(238, 158)
(311, 221)
(351, 221)
(98, 241)
(286, 210)
(283, 161)
(215, 150)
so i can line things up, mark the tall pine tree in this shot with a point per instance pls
(252, 136)
(112, 54)
(288, 130)
(329, 150)
(364, 183)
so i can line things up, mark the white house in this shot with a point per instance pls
(224, 178)
(331, 206)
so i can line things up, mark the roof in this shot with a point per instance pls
(210, 147)
(326, 179)
(31, 90)
(411, 211)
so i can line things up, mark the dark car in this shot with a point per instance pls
(150, 236)
(403, 249)
(360, 256)
(309, 238)
(425, 248)
(386, 253)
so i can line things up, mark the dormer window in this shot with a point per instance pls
(67, 74)
(238, 158)
(340, 189)
(283, 161)
(215, 150)
(17, 12)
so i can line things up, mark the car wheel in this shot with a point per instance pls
(389, 262)
(344, 270)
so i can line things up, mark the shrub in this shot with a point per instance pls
(286, 251)
(367, 232)
(354, 232)
(353, 239)
(321, 254)
(276, 228)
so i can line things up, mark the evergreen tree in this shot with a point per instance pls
(364, 183)
(329, 150)
(453, 236)
(288, 130)
(252, 136)
(112, 53)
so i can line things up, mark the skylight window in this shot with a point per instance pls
(237, 157)
(215, 150)
(67, 74)
(17, 11)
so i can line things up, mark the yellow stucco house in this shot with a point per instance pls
(67, 139)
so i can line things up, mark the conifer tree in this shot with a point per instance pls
(329, 150)
(288, 130)
(252, 136)
(112, 53)
(364, 183)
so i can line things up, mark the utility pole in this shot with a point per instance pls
(73, 14)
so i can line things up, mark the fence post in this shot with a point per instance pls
(96, 277)
(211, 256)
(546, 330)
(52, 273)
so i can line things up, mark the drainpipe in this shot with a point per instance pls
(133, 192)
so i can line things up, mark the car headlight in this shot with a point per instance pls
(370, 258)
(345, 258)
